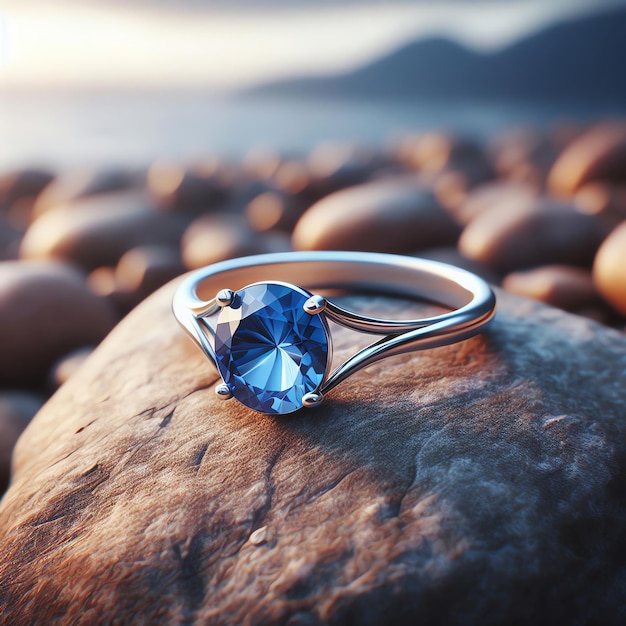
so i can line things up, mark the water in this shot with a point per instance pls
(133, 129)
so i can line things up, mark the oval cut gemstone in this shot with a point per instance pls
(269, 351)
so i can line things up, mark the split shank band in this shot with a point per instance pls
(206, 293)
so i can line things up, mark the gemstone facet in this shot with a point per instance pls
(269, 350)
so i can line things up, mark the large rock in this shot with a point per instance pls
(480, 483)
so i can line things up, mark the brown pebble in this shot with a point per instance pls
(609, 268)
(17, 408)
(22, 184)
(97, 231)
(66, 366)
(597, 155)
(495, 194)
(143, 270)
(213, 238)
(564, 286)
(452, 256)
(334, 166)
(46, 310)
(524, 156)
(76, 184)
(393, 215)
(274, 211)
(529, 234)
(193, 190)
(602, 199)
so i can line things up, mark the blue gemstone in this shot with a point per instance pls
(269, 351)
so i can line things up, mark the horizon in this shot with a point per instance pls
(221, 51)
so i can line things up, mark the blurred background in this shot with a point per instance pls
(103, 82)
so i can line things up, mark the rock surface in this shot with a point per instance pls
(480, 483)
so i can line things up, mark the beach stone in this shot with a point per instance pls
(524, 234)
(22, 184)
(602, 199)
(16, 410)
(213, 238)
(143, 270)
(500, 193)
(563, 286)
(74, 185)
(98, 230)
(597, 155)
(392, 215)
(609, 268)
(274, 211)
(196, 190)
(479, 483)
(46, 310)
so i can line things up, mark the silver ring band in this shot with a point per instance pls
(203, 296)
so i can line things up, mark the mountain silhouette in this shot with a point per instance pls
(579, 60)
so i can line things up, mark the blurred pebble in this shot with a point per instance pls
(597, 155)
(194, 190)
(22, 184)
(261, 162)
(97, 231)
(563, 286)
(489, 196)
(143, 270)
(609, 268)
(529, 234)
(524, 156)
(61, 371)
(274, 211)
(602, 199)
(393, 215)
(213, 238)
(437, 152)
(334, 166)
(17, 408)
(46, 310)
(77, 184)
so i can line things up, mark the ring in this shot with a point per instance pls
(270, 338)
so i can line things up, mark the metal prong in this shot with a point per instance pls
(224, 297)
(315, 304)
(311, 399)
(223, 391)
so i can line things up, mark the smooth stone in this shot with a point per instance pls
(17, 408)
(609, 269)
(333, 166)
(602, 199)
(479, 483)
(501, 193)
(77, 184)
(563, 286)
(213, 238)
(143, 270)
(597, 155)
(98, 230)
(391, 215)
(524, 156)
(46, 310)
(528, 234)
(274, 211)
(22, 184)
(196, 190)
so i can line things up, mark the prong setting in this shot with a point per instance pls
(223, 391)
(312, 399)
(225, 297)
(315, 304)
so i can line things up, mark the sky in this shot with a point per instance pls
(69, 44)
